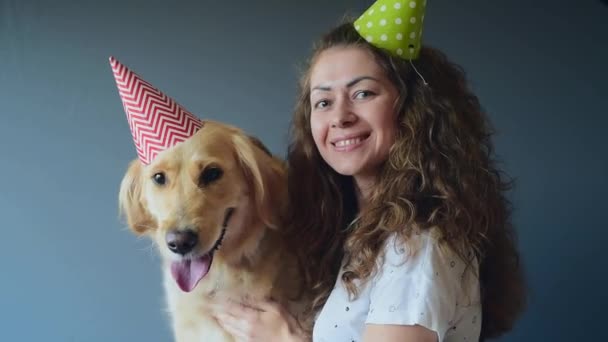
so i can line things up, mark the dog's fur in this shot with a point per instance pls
(253, 260)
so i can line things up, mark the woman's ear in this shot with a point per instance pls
(266, 175)
(130, 200)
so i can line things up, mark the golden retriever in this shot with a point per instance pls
(213, 206)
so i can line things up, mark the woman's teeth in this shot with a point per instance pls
(347, 142)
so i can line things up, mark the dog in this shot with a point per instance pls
(213, 205)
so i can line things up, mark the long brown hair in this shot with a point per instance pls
(440, 173)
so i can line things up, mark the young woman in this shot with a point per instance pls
(398, 202)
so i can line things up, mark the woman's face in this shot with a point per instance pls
(353, 111)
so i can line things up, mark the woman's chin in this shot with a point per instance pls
(346, 170)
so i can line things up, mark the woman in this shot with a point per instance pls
(397, 199)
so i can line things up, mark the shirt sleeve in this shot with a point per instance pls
(416, 285)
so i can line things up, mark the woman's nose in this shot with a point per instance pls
(343, 115)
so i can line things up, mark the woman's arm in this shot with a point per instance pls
(398, 333)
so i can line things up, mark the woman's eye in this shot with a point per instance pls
(362, 94)
(159, 178)
(322, 104)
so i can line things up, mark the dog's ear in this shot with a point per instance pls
(266, 176)
(130, 201)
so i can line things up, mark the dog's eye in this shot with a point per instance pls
(159, 178)
(210, 175)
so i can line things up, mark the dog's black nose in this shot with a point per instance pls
(181, 241)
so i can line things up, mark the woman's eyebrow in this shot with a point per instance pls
(351, 83)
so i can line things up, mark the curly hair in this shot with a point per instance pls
(441, 172)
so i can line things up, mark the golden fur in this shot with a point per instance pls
(253, 260)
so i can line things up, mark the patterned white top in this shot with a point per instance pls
(421, 283)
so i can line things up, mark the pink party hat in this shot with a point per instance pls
(157, 122)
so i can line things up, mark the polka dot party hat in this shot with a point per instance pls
(394, 25)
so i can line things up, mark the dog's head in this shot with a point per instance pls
(218, 188)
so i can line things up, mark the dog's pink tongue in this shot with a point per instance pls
(187, 273)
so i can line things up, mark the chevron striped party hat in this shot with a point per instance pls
(394, 25)
(157, 122)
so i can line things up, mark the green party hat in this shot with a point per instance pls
(394, 25)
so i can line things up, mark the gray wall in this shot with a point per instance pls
(70, 269)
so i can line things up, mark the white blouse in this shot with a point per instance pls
(421, 283)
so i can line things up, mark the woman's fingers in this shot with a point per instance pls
(251, 320)
(230, 307)
(239, 329)
(266, 305)
(237, 319)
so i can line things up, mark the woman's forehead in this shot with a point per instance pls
(340, 65)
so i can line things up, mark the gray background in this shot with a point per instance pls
(72, 272)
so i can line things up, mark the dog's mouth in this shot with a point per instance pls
(187, 273)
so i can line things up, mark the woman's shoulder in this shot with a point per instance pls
(398, 248)
(423, 252)
(422, 281)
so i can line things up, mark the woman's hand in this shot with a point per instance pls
(258, 320)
